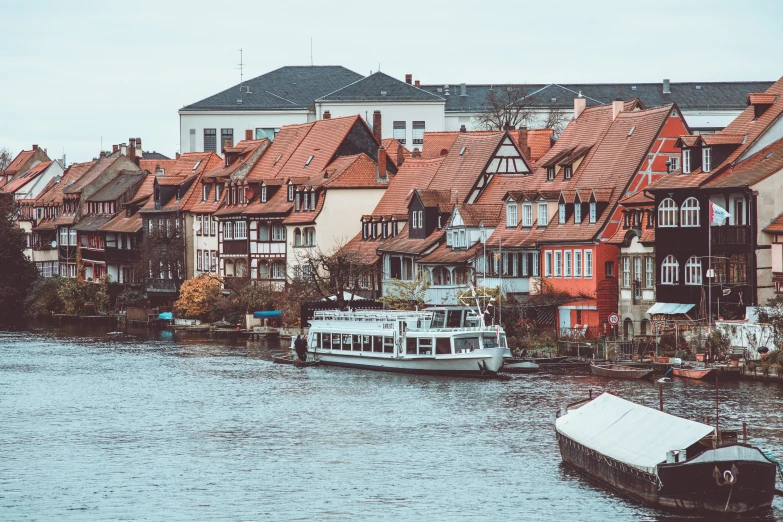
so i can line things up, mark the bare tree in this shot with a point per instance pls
(6, 157)
(510, 106)
(333, 273)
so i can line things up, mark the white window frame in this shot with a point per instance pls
(593, 212)
(527, 214)
(577, 213)
(693, 271)
(558, 263)
(543, 214)
(290, 192)
(686, 161)
(649, 272)
(667, 213)
(524, 268)
(626, 272)
(548, 263)
(536, 268)
(689, 212)
(228, 230)
(561, 213)
(675, 163)
(240, 230)
(421, 218)
(588, 263)
(511, 215)
(578, 263)
(414, 220)
(567, 262)
(263, 194)
(670, 269)
(706, 159)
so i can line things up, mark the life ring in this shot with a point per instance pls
(730, 477)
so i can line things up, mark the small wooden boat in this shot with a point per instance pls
(694, 373)
(519, 367)
(618, 371)
(279, 359)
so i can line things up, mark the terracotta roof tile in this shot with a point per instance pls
(639, 199)
(18, 162)
(97, 168)
(404, 244)
(446, 254)
(760, 98)
(414, 173)
(475, 215)
(358, 171)
(121, 223)
(776, 226)
(246, 151)
(23, 179)
(759, 166)
(432, 198)
(723, 138)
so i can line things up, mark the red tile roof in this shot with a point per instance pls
(305, 217)
(445, 254)
(392, 146)
(358, 171)
(188, 166)
(539, 141)
(121, 223)
(414, 173)
(639, 199)
(23, 179)
(759, 166)
(362, 251)
(247, 151)
(18, 162)
(97, 168)
(404, 244)
(475, 215)
(776, 226)
(153, 165)
(757, 98)
(54, 196)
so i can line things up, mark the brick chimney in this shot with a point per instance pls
(102, 154)
(327, 115)
(376, 125)
(417, 83)
(416, 153)
(462, 128)
(138, 146)
(579, 106)
(248, 134)
(617, 108)
(132, 151)
(409, 79)
(132, 142)
(400, 154)
(35, 147)
(177, 156)
(115, 148)
(381, 162)
(524, 148)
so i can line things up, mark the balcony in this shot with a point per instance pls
(731, 235)
(121, 255)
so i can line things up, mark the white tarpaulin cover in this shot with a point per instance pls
(633, 434)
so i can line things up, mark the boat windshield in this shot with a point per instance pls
(466, 344)
(491, 341)
(438, 319)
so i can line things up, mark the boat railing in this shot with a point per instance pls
(374, 316)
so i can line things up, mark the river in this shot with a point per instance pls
(102, 427)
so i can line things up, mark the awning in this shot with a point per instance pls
(669, 308)
(265, 314)
(587, 304)
(633, 434)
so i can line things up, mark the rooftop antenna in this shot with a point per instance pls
(241, 70)
(311, 51)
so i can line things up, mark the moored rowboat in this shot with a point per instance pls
(694, 373)
(619, 371)
(519, 367)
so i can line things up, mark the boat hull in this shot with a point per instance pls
(694, 373)
(620, 372)
(688, 486)
(478, 362)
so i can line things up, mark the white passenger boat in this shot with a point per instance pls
(440, 340)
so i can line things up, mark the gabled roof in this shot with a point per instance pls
(432, 198)
(404, 244)
(747, 125)
(413, 173)
(245, 151)
(23, 179)
(639, 199)
(444, 254)
(286, 88)
(475, 215)
(357, 171)
(776, 226)
(125, 180)
(54, 195)
(759, 166)
(92, 223)
(761, 98)
(96, 169)
(380, 87)
(687, 95)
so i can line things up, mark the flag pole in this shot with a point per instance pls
(709, 270)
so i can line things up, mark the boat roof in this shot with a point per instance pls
(628, 432)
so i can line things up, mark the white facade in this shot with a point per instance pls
(634, 302)
(193, 123)
(34, 188)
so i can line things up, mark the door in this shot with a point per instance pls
(565, 322)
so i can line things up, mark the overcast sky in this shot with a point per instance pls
(75, 72)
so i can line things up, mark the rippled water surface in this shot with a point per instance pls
(102, 427)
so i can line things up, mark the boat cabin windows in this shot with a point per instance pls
(466, 344)
(353, 343)
(492, 341)
(424, 346)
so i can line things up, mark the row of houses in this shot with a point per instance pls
(614, 211)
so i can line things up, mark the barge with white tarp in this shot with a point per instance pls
(664, 460)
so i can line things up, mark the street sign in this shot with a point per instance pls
(614, 319)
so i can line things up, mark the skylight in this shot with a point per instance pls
(197, 164)
(769, 155)
(461, 152)
(308, 161)
(631, 131)
(278, 159)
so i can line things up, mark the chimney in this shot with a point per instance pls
(408, 79)
(132, 150)
(115, 148)
(177, 156)
(376, 125)
(522, 141)
(138, 145)
(327, 115)
(462, 128)
(381, 162)
(102, 154)
(666, 88)
(579, 106)
(400, 154)
(417, 83)
(132, 142)
(248, 134)
(35, 147)
(617, 108)
(463, 89)
(416, 153)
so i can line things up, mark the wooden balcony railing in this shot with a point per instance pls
(731, 235)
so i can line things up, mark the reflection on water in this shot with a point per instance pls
(104, 426)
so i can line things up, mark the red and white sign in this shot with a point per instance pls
(614, 319)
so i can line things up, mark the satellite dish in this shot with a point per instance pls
(54, 244)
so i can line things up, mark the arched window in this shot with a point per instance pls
(693, 271)
(689, 213)
(628, 329)
(240, 268)
(297, 237)
(667, 213)
(441, 276)
(670, 269)
(461, 276)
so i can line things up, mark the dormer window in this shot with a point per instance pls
(365, 231)
(263, 194)
(550, 173)
(567, 171)
(414, 220)
(686, 161)
(593, 212)
(511, 215)
(306, 201)
(307, 163)
(204, 192)
(313, 200)
(218, 188)
(543, 214)
(527, 214)
(706, 159)
(561, 213)
(577, 213)
(298, 201)
(290, 192)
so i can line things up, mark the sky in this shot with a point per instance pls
(77, 74)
